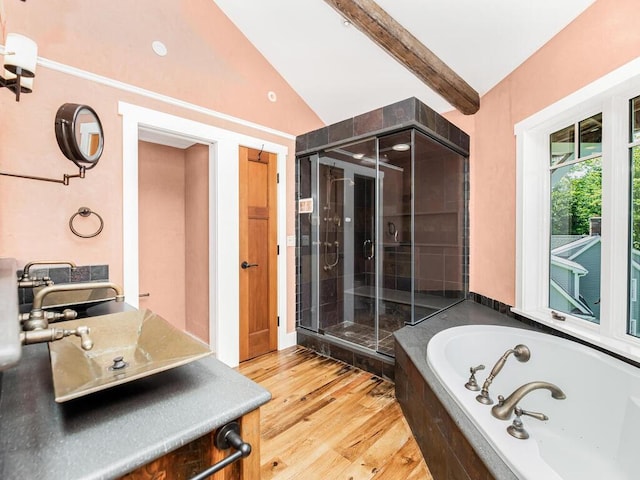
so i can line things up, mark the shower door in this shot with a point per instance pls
(346, 253)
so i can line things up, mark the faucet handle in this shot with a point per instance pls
(83, 332)
(472, 384)
(519, 412)
(516, 429)
(475, 369)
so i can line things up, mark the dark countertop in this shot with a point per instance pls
(414, 341)
(110, 433)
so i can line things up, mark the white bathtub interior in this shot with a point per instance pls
(589, 435)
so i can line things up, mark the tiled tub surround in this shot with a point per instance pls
(450, 443)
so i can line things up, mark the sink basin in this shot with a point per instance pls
(147, 343)
(76, 299)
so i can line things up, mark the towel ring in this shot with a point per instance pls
(85, 212)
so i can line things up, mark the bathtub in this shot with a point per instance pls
(592, 434)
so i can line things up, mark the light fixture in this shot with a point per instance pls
(401, 147)
(159, 48)
(20, 57)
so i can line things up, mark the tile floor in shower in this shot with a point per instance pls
(365, 335)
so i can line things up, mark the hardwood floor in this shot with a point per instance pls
(329, 421)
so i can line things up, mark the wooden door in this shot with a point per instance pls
(258, 253)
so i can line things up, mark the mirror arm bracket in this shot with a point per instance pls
(64, 181)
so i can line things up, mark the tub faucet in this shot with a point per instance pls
(506, 406)
(522, 354)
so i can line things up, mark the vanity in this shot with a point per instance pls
(160, 426)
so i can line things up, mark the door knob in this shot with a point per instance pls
(246, 265)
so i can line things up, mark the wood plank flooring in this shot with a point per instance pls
(330, 421)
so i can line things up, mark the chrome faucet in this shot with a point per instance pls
(522, 354)
(35, 328)
(506, 406)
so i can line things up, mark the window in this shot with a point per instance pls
(578, 214)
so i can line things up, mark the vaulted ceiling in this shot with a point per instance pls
(341, 72)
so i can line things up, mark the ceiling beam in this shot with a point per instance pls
(380, 27)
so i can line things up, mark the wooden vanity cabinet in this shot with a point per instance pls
(199, 454)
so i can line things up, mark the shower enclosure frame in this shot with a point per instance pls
(407, 115)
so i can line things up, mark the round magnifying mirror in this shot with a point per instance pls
(79, 134)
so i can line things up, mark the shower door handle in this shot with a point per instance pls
(246, 265)
(368, 255)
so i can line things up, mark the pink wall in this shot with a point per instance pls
(162, 236)
(173, 233)
(209, 64)
(603, 38)
(196, 217)
(212, 65)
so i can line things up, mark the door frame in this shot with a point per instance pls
(224, 335)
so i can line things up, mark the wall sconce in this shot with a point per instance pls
(20, 57)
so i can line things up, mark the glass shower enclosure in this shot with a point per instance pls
(381, 236)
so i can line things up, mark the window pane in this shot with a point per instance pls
(591, 136)
(635, 119)
(574, 264)
(634, 260)
(563, 145)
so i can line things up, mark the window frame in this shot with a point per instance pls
(609, 95)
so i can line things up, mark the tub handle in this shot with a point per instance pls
(540, 416)
(472, 384)
(516, 429)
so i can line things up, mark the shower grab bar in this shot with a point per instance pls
(371, 249)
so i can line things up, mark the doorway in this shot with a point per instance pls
(223, 204)
(173, 230)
